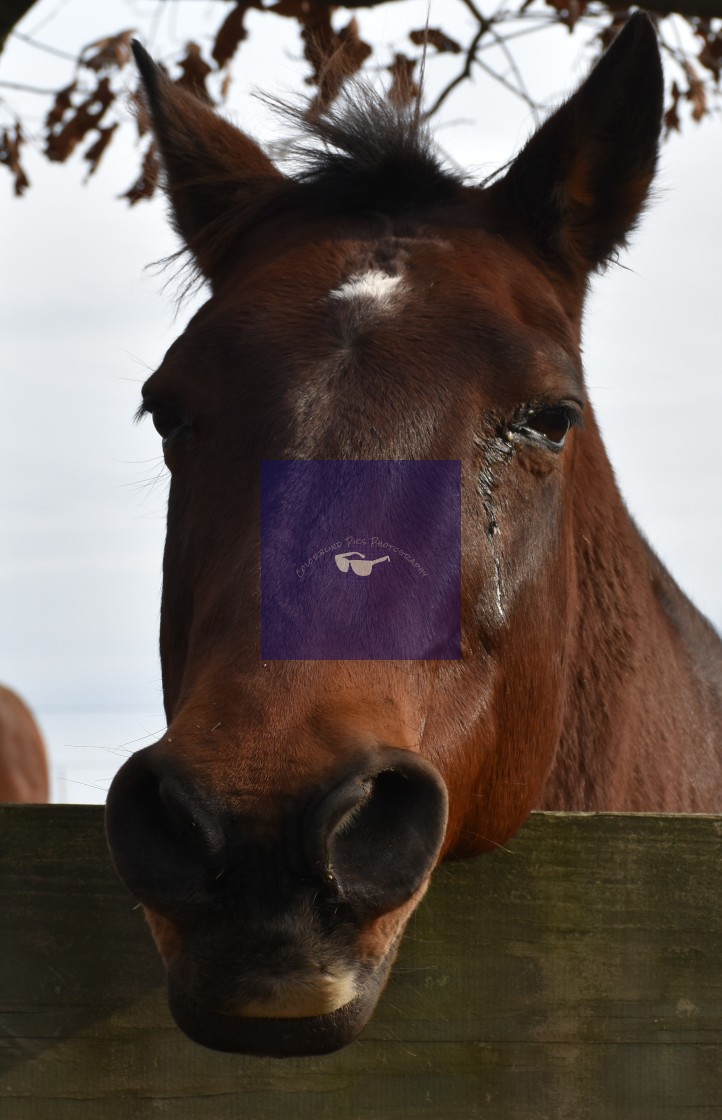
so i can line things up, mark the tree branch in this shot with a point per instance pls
(465, 71)
(27, 89)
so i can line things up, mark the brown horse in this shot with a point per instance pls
(23, 762)
(388, 369)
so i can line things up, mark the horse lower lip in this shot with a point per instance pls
(274, 1038)
(280, 1038)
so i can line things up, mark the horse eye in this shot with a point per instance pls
(551, 423)
(165, 420)
(168, 424)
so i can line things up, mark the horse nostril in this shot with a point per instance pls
(165, 842)
(186, 814)
(378, 833)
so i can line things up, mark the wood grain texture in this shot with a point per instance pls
(575, 976)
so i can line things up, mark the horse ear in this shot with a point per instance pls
(212, 169)
(579, 185)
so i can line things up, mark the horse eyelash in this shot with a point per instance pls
(573, 410)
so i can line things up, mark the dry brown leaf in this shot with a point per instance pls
(226, 85)
(671, 117)
(696, 92)
(335, 58)
(403, 89)
(435, 37)
(569, 11)
(711, 54)
(231, 33)
(111, 53)
(319, 42)
(294, 9)
(63, 102)
(87, 116)
(354, 50)
(94, 154)
(60, 145)
(195, 70)
(12, 141)
(147, 181)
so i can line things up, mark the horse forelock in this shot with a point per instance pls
(364, 159)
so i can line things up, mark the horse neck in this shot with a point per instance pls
(643, 724)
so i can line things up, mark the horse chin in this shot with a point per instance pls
(278, 1038)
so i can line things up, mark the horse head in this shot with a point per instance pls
(387, 369)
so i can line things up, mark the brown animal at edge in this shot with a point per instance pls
(377, 307)
(23, 762)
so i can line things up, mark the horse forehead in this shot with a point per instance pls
(358, 282)
(449, 288)
(381, 272)
(316, 301)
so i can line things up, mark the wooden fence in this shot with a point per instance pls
(575, 976)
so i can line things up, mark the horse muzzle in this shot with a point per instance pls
(278, 940)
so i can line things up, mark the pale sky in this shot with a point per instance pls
(82, 489)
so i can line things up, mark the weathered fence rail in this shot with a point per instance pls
(575, 976)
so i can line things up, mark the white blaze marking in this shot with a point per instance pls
(373, 287)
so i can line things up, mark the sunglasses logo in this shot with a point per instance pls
(360, 567)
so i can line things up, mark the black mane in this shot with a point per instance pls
(365, 153)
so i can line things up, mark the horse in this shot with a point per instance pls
(23, 761)
(388, 368)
